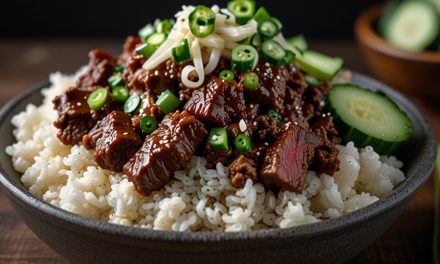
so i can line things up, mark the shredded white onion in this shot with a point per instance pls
(225, 37)
(213, 61)
(198, 67)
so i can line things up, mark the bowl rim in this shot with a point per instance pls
(367, 35)
(402, 193)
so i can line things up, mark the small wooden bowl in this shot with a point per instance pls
(415, 73)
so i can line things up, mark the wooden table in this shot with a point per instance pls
(28, 61)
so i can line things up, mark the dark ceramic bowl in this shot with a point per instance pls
(83, 240)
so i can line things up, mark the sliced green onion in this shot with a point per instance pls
(120, 94)
(312, 80)
(167, 102)
(146, 31)
(164, 26)
(243, 143)
(218, 138)
(243, 10)
(120, 68)
(274, 114)
(202, 21)
(132, 104)
(290, 57)
(227, 75)
(181, 51)
(268, 29)
(278, 23)
(273, 52)
(156, 39)
(251, 80)
(115, 80)
(243, 58)
(261, 15)
(97, 99)
(145, 49)
(151, 44)
(148, 124)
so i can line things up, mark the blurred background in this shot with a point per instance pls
(317, 19)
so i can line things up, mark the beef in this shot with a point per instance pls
(295, 79)
(272, 89)
(268, 129)
(214, 156)
(218, 102)
(164, 151)
(101, 67)
(74, 116)
(287, 160)
(133, 65)
(241, 169)
(129, 46)
(243, 126)
(165, 76)
(326, 158)
(114, 140)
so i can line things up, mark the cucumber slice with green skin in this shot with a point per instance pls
(298, 41)
(368, 118)
(387, 13)
(413, 25)
(319, 65)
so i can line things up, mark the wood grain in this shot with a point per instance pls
(28, 61)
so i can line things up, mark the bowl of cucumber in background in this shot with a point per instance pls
(401, 43)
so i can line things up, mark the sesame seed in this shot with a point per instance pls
(242, 125)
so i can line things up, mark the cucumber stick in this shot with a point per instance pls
(436, 242)
(319, 65)
(298, 41)
(368, 118)
(412, 25)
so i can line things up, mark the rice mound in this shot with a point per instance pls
(197, 198)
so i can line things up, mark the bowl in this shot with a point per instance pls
(411, 72)
(83, 240)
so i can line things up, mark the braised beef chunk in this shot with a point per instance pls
(132, 65)
(129, 46)
(326, 158)
(272, 89)
(240, 170)
(101, 67)
(74, 116)
(286, 162)
(268, 129)
(166, 76)
(114, 140)
(217, 103)
(164, 151)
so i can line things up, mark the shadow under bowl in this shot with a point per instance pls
(416, 73)
(83, 240)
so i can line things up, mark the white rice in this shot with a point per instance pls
(197, 198)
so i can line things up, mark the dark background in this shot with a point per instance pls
(317, 19)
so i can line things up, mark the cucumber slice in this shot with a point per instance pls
(436, 4)
(319, 65)
(387, 13)
(298, 41)
(413, 25)
(368, 118)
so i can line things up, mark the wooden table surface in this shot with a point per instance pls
(25, 62)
